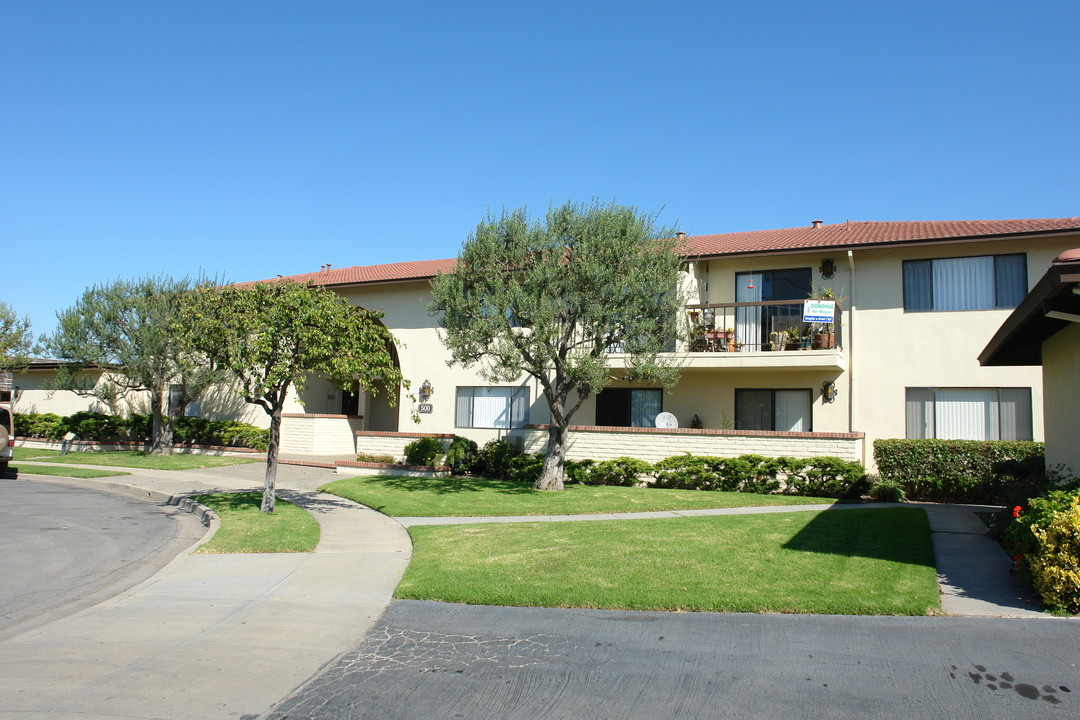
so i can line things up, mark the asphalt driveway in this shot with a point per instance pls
(435, 660)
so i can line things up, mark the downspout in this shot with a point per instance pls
(850, 343)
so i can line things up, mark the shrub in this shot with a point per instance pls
(462, 456)
(38, 425)
(525, 468)
(423, 451)
(887, 491)
(200, 431)
(368, 457)
(140, 427)
(494, 459)
(1018, 536)
(577, 471)
(1055, 568)
(688, 472)
(623, 471)
(746, 473)
(93, 426)
(823, 476)
(956, 470)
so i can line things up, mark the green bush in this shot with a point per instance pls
(623, 471)
(462, 456)
(423, 451)
(368, 457)
(494, 459)
(887, 491)
(93, 426)
(139, 427)
(38, 425)
(955, 470)
(525, 468)
(691, 472)
(577, 471)
(1018, 536)
(823, 476)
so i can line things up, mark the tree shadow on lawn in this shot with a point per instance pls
(899, 535)
(456, 484)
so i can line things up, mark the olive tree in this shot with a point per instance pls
(553, 298)
(15, 339)
(270, 337)
(124, 330)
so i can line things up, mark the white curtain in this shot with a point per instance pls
(967, 414)
(644, 407)
(919, 412)
(792, 410)
(964, 283)
(1016, 414)
(748, 320)
(491, 407)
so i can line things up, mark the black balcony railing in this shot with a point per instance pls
(771, 325)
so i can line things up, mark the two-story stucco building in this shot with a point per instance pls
(917, 303)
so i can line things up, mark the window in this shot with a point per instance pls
(629, 407)
(754, 324)
(969, 413)
(773, 410)
(492, 407)
(972, 283)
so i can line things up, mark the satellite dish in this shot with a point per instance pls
(667, 421)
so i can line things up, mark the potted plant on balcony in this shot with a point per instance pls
(778, 340)
(824, 335)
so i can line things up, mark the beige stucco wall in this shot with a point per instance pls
(1061, 404)
(34, 396)
(893, 350)
(657, 445)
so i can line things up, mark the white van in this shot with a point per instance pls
(7, 437)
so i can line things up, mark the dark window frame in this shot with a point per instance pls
(926, 265)
(741, 392)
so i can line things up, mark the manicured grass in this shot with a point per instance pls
(24, 453)
(61, 471)
(135, 459)
(246, 529)
(481, 497)
(864, 561)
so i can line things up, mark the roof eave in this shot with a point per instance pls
(1019, 339)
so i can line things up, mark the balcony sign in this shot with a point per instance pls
(819, 311)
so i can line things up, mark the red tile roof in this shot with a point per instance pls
(857, 234)
(841, 235)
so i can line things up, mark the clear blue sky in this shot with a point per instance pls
(247, 139)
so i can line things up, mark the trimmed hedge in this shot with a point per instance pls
(137, 428)
(822, 476)
(424, 451)
(960, 470)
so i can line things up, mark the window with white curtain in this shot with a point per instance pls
(492, 407)
(972, 283)
(969, 413)
(773, 410)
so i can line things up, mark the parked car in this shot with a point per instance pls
(7, 438)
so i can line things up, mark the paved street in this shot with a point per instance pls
(64, 547)
(433, 660)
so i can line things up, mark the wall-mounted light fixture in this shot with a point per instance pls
(828, 391)
(828, 267)
(426, 390)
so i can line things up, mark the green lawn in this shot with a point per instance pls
(132, 459)
(246, 529)
(865, 561)
(455, 496)
(61, 471)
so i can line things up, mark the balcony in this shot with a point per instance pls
(764, 334)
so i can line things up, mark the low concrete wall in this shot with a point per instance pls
(312, 434)
(652, 444)
(374, 442)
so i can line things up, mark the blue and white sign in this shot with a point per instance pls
(819, 311)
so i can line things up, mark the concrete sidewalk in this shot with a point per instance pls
(212, 636)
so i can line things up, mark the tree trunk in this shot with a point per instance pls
(551, 478)
(271, 460)
(160, 442)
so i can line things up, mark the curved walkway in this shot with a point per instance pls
(225, 636)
